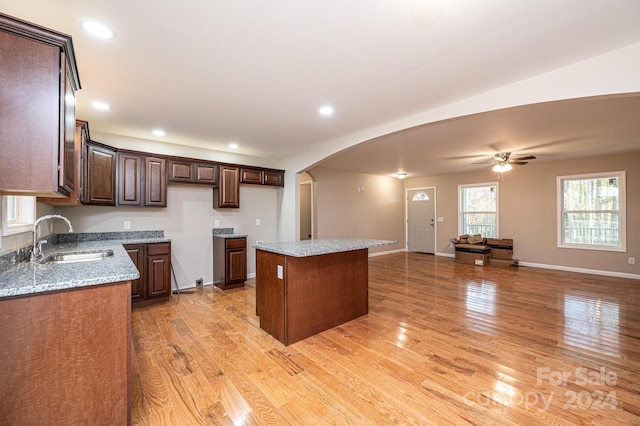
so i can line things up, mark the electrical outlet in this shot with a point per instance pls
(632, 261)
(280, 272)
(259, 242)
(127, 224)
(216, 223)
(199, 282)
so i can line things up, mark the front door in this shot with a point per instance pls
(421, 220)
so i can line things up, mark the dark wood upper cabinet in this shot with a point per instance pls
(81, 136)
(155, 182)
(206, 173)
(261, 176)
(189, 171)
(228, 190)
(130, 168)
(99, 175)
(254, 176)
(181, 171)
(142, 180)
(37, 124)
(273, 178)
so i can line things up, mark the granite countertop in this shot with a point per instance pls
(226, 233)
(230, 235)
(325, 246)
(26, 278)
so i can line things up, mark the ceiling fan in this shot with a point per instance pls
(502, 161)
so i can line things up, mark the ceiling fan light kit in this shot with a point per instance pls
(503, 161)
(502, 167)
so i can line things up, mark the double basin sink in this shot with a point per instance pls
(78, 256)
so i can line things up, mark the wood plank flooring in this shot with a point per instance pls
(443, 344)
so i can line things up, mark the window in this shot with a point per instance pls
(18, 214)
(591, 211)
(479, 209)
(420, 196)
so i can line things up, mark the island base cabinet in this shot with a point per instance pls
(297, 297)
(66, 357)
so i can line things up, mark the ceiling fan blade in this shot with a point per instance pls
(519, 163)
(528, 157)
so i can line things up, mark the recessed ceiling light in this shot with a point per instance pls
(102, 106)
(98, 30)
(326, 110)
(158, 132)
(234, 146)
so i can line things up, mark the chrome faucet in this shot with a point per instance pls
(36, 252)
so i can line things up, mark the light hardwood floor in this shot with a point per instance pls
(443, 343)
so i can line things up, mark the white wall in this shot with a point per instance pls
(188, 220)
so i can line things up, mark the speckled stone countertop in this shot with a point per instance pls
(28, 278)
(325, 246)
(226, 233)
(23, 278)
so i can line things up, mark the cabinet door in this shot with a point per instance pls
(273, 178)
(180, 171)
(75, 197)
(30, 120)
(229, 188)
(155, 182)
(158, 275)
(236, 265)
(251, 176)
(100, 176)
(68, 153)
(206, 173)
(138, 287)
(129, 179)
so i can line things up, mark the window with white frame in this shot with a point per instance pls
(478, 209)
(591, 211)
(18, 214)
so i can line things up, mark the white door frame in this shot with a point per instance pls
(406, 216)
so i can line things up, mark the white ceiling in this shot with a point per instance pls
(256, 72)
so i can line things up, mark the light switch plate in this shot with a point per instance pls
(280, 273)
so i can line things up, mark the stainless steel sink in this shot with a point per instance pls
(82, 256)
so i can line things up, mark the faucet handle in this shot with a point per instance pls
(40, 243)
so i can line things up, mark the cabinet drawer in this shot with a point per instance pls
(158, 248)
(236, 243)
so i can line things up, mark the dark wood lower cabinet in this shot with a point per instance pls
(229, 262)
(154, 264)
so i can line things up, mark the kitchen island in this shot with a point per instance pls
(306, 287)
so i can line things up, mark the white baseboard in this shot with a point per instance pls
(567, 268)
(581, 270)
(451, 255)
